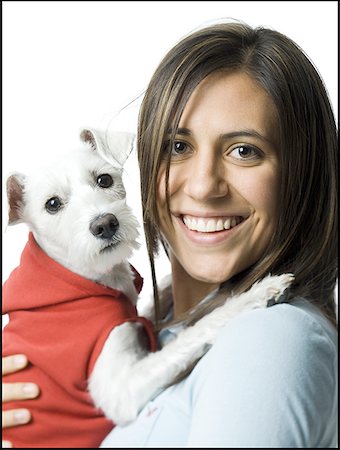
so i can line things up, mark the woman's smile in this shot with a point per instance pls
(208, 230)
(210, 224)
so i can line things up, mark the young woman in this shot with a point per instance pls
(237, 152)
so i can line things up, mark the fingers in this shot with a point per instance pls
(19, 391)
(16, 391)
(15, 417)
(13, 363)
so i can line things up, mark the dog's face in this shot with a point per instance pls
(77, 212)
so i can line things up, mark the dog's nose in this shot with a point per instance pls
(104, 227)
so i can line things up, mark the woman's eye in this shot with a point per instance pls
(105, 181)
(245, 152)
(179, 148)
(176, 149)
(53, 205)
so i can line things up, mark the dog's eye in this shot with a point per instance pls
(105, 180)
(53, 205)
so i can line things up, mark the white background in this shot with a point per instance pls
(71, 64)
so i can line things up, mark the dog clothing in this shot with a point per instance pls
(60, 321)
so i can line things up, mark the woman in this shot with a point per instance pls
(237, 152)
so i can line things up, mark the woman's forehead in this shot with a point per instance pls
(230, 102)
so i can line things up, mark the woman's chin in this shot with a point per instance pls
(210, 273)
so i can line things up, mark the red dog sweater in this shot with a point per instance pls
(60, 320)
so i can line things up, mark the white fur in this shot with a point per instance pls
(125, 375)
(65, 236)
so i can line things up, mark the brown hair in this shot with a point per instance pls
(305, 242)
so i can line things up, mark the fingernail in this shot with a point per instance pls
(19, 360)
(22, 416)
(6, 444)
(30, 389)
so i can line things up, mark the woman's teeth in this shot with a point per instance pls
(210, 225)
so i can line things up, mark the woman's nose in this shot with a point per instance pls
(207, 177)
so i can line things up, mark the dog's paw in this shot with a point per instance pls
(277, 286)
(269, 289)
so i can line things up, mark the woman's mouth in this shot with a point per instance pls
(210, 224)
(209, 231)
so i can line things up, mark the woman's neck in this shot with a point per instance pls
(186, 291)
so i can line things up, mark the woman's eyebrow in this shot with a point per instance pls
(246, 133)
(183, 131)
(230, 135)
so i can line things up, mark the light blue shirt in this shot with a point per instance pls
(270, 380)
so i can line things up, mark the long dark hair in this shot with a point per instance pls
(305, 242)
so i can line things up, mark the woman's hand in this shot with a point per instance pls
(16, 391)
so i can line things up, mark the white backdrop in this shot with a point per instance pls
(68, 64)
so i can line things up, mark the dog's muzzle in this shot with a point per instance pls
(104, 227)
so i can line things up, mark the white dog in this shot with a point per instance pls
(82, 235)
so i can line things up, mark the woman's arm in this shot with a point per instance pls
(16, 391)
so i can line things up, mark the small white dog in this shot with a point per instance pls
(72, 301)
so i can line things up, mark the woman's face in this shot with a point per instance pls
(223, 180)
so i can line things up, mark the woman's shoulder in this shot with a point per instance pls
(287, 340)
(279, 367)
(295, 326)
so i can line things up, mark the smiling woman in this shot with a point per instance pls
(237, 151)
(231, 130)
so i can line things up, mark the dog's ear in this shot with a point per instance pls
(15, 189)
(114, 147)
